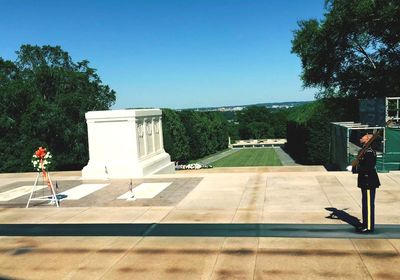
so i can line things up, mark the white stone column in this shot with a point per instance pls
(161, 134)
(157, 141)
(140, 138)
(146, 149)
(153, 135)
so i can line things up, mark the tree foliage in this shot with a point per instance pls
(190, 135)
(354, 51)
(176, 142)
(308, 130)
(256, 122)
(44, 96)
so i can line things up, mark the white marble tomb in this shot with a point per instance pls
(125, 144)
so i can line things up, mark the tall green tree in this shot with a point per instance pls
(218, 133)
(279, 122)
(197, 127)
(353, 51)
(10, 114)
(44, 96)
(309, 128)
(257, 122)
(176, 141)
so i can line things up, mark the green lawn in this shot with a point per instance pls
(250, 157)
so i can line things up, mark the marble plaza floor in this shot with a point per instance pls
(221, 223)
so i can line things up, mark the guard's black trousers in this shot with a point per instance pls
(368, 208)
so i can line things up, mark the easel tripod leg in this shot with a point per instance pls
(52, 190)
(33, 189)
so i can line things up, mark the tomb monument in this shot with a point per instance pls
(125, 144)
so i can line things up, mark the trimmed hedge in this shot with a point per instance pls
(308, 128)
(190, 135)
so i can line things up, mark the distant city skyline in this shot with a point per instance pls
(172, 54)
(239, 107)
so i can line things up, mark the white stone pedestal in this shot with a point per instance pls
(125, 144)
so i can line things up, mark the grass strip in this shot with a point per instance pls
(250, 157)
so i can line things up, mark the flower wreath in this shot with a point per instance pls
(41, 159)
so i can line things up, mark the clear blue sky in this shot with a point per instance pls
(172, 54)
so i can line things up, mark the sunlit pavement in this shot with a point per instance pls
(221, 223)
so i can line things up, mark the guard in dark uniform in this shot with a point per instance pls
(368, 182)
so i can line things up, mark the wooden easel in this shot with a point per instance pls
(51, 198)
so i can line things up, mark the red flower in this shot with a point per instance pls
(41, 152)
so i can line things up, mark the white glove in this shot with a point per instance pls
(349, 168)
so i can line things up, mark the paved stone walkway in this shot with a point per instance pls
(239, 223)
(211, 159)
(284, 157)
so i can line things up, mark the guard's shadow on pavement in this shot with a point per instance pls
(342, 215)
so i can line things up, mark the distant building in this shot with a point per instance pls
(258, 143)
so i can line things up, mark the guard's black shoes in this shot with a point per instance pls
(364, 230)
